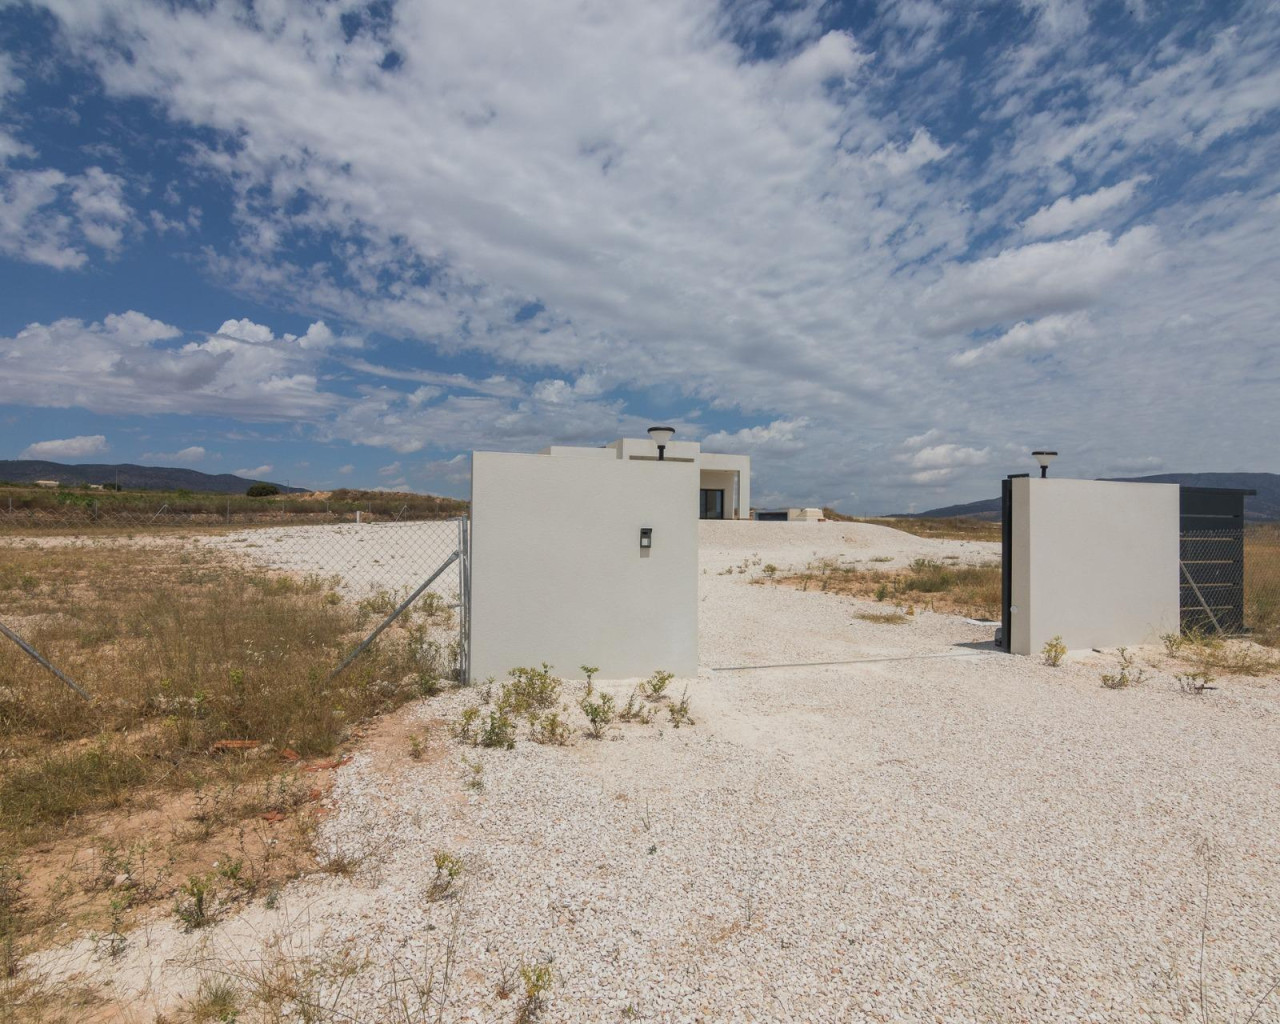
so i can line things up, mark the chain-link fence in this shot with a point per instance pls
(322, 596)
(1230, 581)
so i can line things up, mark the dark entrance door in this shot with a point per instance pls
(711, 504)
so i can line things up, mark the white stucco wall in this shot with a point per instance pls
(1095, 562)
(557, 573)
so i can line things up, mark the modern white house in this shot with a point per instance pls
(724, 481)
(589, 556)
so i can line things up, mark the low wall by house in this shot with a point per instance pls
(558, 574)
(1093, 561)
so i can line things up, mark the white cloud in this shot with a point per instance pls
(633, 203)
(1068, 214)
(347, 469)
(904, 159)
(67, 447)
(1024, 337)
(255, 473)
(389, 470)
(52, 218)
(131, 363)
(1038, 279)
(780, 436)
(184, 456)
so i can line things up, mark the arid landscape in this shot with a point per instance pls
(857, 810)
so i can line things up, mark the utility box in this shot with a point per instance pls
(1092, 561)
(583, 561)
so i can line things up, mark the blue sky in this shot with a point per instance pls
(885, 250)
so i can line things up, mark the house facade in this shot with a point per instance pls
(724, 481)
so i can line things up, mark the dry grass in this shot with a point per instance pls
(1262, 582)
(957, 528)
(180, 649)
(971, 590)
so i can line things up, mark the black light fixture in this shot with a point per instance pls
(662, 435)
(1044, 458)
(646, 536)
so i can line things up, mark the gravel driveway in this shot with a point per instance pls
(956, 835)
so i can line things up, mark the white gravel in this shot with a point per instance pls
(369, 557)
(963, 836)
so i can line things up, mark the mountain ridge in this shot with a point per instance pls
(131, 476)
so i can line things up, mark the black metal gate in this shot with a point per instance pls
(1212, 559)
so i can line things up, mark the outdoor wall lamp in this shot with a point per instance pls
(1044, 458)
(662, 435)
(646, 537)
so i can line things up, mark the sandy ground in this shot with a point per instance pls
(952, 835)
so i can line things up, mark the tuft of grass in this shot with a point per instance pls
(883, 618)
(216, 1000)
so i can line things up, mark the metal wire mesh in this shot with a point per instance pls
(374, 561)
(1230, 581)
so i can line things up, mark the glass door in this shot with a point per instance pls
(711, 504)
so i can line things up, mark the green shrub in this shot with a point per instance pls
(262, 490)
(1054, 651)
(599, 713)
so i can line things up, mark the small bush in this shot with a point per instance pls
(262, 490)
(1126, 676)
(448, 869)
(656, 685)
(635, 710)
(1054, 651)
(196, 902)
(679, 713)
(499, 731)
(550, 728)
(536, 980)
(529, 690)
(1194, 684)
(599, 712)
(467, 727)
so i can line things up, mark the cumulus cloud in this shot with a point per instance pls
(55, 219)
(256, 472)
(67, 447)
(132, 363)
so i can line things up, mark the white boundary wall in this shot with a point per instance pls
(1095, 562)
(557, 572)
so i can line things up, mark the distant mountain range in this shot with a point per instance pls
(130, 477)
(1263, 507)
